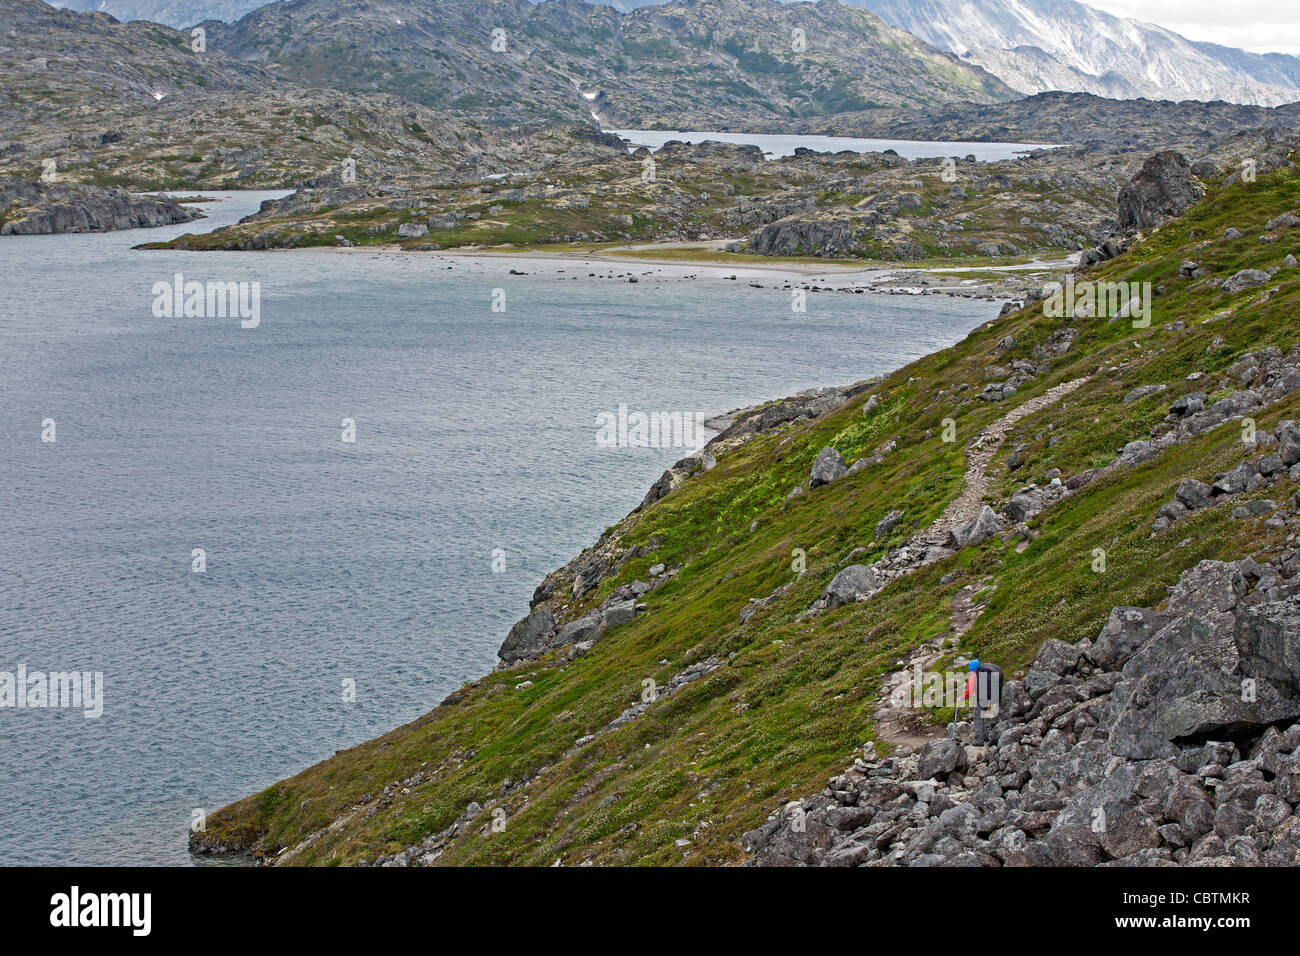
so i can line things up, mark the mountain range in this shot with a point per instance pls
(1040, 45)
(691, 63)
(1033, 46)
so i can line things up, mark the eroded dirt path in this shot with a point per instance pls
(979, 453)
(906, 726)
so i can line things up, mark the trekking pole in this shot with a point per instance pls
(973, 666)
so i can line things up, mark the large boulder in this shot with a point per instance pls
(828, 467)
(1193, 494)
(1126, 630)
(1245, 279)
(941, 757)
(800, 235)
(580, 629)
(529, 637)
(1221, 667)
(1288, 436)
(1266, 636)
(1024, 504)
(1057, 656)
(854, 582)
(1162, 190)
(985, 526)
(619, 612)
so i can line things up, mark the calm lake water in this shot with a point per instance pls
(327, 561)
(774, 146)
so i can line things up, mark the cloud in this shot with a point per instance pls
(1263, 26)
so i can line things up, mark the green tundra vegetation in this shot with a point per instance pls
(793, 700)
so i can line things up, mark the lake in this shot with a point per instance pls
(776, 145)
(200, 532)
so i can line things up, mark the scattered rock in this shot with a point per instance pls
(828, 467)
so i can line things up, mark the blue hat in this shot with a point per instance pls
(974, 665)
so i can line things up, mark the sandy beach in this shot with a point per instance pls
(636, 263)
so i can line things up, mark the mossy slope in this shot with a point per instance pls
(794, 698)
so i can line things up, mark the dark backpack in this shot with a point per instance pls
(988, 685)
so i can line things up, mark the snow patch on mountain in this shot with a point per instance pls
(1040, 45)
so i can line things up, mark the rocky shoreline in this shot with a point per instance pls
(37, 208)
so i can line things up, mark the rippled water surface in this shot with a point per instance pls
(327, 561)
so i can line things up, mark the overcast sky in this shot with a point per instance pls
(1265, 26)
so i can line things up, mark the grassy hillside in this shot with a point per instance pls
(793, 698)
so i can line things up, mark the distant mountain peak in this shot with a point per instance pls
(1039, 45)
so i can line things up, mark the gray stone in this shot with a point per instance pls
(1039, 682)
(1127, 629)
(887, 524)
(1193, 494)
(579, 629)
(828, 467)
(1236, 481)
(528, 638)
(985, 526)
(1270, 465)
(1023, 505)
(1142, 391)
(1253, 509)
(1187, 681)
(1188, 404)
(1162, 190)
(1129, 832)
(1057, 657)
(1245, 279)
(619, 613)
(1288, 436)
(854, 582)
(941, 757)
(1171, 511)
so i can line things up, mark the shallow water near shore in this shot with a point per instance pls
(327, 561)
(777, 145)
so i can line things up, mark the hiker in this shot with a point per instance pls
(985, 683)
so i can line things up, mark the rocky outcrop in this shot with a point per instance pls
(1162, 190)
(545, 630)
(1250, 475)
(799, 235)
(1220, 669)
(30, 209)
(1172, 739)
(1245, 279)
(529, 637)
